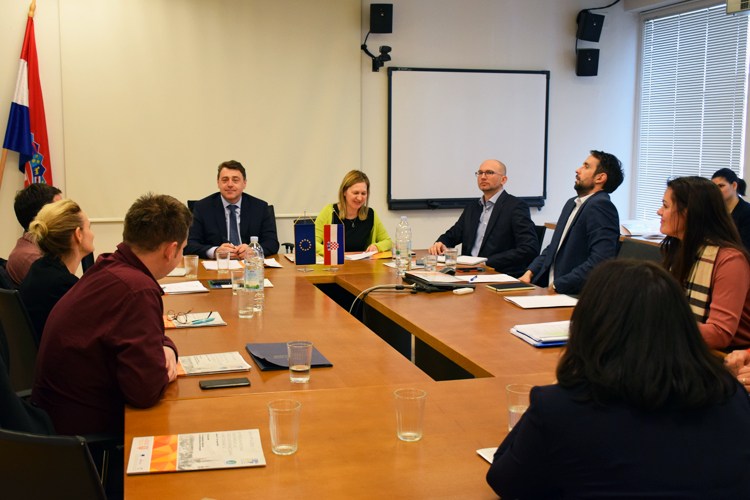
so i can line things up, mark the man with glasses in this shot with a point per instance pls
(229, 218)
(497, 226)
(587, 231)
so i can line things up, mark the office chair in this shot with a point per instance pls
(22, 340)
(87, 262)
(632, 249)
(540, 230)
(5, 281)
(36, 466)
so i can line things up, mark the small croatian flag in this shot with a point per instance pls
(333, 243)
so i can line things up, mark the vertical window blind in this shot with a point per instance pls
(693, 91)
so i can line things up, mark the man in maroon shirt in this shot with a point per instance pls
(104, 344)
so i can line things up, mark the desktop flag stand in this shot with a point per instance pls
(333, 245)
(304, 242)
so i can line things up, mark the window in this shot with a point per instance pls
(693, 91)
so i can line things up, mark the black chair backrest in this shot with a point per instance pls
(540, 230)
(87, 262)
(35, 466)
(5, 281)
(631, 249)
(22, 340)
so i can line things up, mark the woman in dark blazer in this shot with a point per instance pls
(641, 409)
(63, 232)
(732, 187)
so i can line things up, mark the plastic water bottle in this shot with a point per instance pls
(403, 246)
(254, 268)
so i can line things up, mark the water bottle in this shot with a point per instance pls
(254, 267)
(403, 246)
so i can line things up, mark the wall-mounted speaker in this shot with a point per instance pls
(589, 26)
(381, 18)
(587, 62)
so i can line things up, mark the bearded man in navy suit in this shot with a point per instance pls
(587, 231)
(229, 218)
(497, 226)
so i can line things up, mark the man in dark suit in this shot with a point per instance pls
(229, 218)
(587, 231)
(498, 226)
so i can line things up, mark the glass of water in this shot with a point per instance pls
(518, 402)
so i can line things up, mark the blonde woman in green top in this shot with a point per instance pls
(363, 229)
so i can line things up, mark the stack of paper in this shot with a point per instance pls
(206, 450)
(540, 301)
(184, 287)
(220, 362)
(212, 265)
(543, 334)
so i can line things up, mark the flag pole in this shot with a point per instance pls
(32, 8)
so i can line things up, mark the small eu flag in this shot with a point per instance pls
(333, 244)
(304, 242)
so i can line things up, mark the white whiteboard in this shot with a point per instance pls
(444, 122)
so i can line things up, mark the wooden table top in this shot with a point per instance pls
(348, 446)
(294, 310)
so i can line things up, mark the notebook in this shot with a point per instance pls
(273, 356)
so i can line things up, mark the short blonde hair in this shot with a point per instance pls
(350, 179)
(54, 225)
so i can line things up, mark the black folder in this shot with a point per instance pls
(273, 356)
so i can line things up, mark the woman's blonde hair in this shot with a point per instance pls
(54, 225)
(350, 179)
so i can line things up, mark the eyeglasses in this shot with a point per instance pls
(180, 317)
(487, 173)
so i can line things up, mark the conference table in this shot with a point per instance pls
(348, 445)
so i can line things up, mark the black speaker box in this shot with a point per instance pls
(381, 18)
(587, 62)
(589, 26)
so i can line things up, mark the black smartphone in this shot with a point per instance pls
(224, 382)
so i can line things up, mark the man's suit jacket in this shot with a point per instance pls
(209, 227)
(510, 241)
(592, 238)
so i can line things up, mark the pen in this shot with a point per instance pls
(473, 278)
(202, 321)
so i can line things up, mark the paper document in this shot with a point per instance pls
(359, 256)
(487, 278)
(540, 301)
(487, 453)
(206, 450)
(184, 287)
(177, 272)
(195, 320)
(553, 333)
(271, 263)
(212, 265)
(220, 362)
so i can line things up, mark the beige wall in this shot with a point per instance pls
(152, 94)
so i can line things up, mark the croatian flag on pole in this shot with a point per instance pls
(27, 129)
(333, 242)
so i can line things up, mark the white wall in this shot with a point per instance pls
(585, 113)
